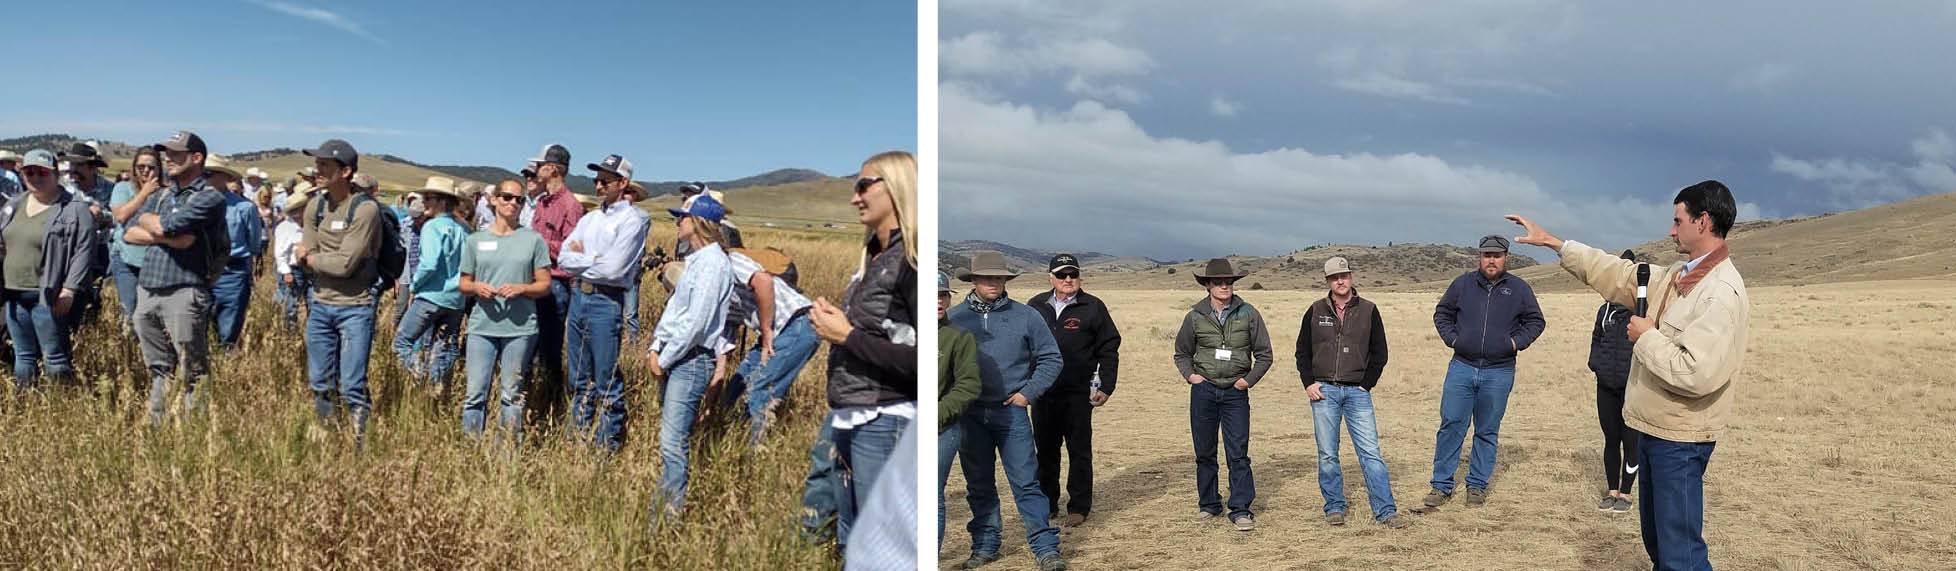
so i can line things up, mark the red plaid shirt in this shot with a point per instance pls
(556, 216)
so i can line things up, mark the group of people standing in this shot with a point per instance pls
(1663, 382)
(515, 278)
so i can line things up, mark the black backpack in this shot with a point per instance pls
(392, 258)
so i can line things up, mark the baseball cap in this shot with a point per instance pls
(183, 141)
(553, 153)
(1061, 262)
(1493, 243)
(6, 155)
(364, 181)
(338, 150)
(38, 158)
(613, 164)
(1337, 265)
(943, 282)
(703, 207)
(692, 188)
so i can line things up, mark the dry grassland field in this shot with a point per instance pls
(1838, 456)
(84, 483)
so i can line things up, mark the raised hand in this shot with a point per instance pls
(1536, 235)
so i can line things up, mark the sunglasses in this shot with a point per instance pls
(37, 171)
(863, 184)
(510, 198)
(1067, 275)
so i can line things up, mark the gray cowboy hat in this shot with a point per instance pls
(1220, 268)
(986, 263)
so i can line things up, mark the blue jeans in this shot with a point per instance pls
(338, 339)
(38, 336)
(1673, 508)
(548, 365)
(862, 452)
(949, 439)
(765, 384)
(597, 384)
(425, 324)
(685, 385)
(631, 309)
(1003, 434)
(288, 297)
(486, 355)
(821, 491)
(125, 284)
(1353, 405)
(1228, 409)
(230, 296)
(1481, 394)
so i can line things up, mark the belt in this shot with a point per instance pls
(589, 287)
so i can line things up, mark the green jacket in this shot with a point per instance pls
(1240, 332)
(957, 372)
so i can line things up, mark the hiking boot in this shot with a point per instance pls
(1051, 562)
(1395, 522)
(980, 560)
(1622, 505)
(1476, 497)
(1435, 497)
(1608, 503)
(1245, 522)
(1335, 518)
(1074, 520)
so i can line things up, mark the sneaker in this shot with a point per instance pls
(1435, 498)
(1335, 518)
(1608, 503)
(1476, 497)
(1395, 522)
(1051, 562)
(1245, 522)
(1622, 505)
(980, 559)
(1205, 515)
(1074, 520)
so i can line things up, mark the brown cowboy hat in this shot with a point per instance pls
(1220, 269)
(986, 263)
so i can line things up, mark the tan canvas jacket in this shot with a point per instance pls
(1681, 373)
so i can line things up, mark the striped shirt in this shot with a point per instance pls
(696, 313)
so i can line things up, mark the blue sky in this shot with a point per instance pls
(686, 90)
(1263, 126)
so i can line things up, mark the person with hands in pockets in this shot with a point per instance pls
(1222, 351)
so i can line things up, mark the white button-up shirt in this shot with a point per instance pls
(787, 301)
(612, 237)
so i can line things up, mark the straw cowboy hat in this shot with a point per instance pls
(216, 163)
(1220, 269)
(988, 264)
(440, 185)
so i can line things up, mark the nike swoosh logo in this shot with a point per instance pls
(1632, 469)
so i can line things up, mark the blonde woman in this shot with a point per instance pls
(873, 349)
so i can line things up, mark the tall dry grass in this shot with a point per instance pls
(85, 483)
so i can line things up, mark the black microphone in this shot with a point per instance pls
(1643, 282)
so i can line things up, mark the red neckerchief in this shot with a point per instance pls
(1686, 281)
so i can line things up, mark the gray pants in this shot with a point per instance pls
(174, 327)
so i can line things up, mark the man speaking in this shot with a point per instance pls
(1685, 355)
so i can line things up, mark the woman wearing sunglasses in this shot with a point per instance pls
(873, 349)
(505, 267)
(47, 237)
(126, 260)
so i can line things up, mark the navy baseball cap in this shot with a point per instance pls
(338, 150)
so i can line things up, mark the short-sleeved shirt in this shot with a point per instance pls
(124, 192)
(497, 261)
(24, 239)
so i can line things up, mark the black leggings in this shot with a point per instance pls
(1619, 441)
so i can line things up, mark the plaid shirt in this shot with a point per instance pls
(556, 217)
(198, 209)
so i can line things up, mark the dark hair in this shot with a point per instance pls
(135, 160)
(1710, 198)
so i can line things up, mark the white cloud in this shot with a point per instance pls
(1399, 88)
(1763, 77)
(1224, 107)
(330, 19)
(1862, 182)
(1106, 93)
(1182, 198)
(989, 54)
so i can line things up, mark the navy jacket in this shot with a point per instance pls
(1488, 322)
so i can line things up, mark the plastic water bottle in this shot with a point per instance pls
(1096, 381)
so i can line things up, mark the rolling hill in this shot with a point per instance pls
(1377, 266)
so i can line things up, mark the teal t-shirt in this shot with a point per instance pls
(498, 261)
(130, 254)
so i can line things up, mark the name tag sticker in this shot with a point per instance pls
(1222, 354)
(486, 246)
(1348, 349)
(337, 225)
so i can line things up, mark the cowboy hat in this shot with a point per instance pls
(1220, 269)
(216, 163)
(441, 185)
(986, 264)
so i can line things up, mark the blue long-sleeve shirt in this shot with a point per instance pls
(242, 224)
(1487, 322)
(438, 270)
(612, 238)
(1016, 352)
(696, 313)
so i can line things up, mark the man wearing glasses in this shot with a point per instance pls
(600, 255)
(1090, 346)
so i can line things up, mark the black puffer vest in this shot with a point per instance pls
(881, 299)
